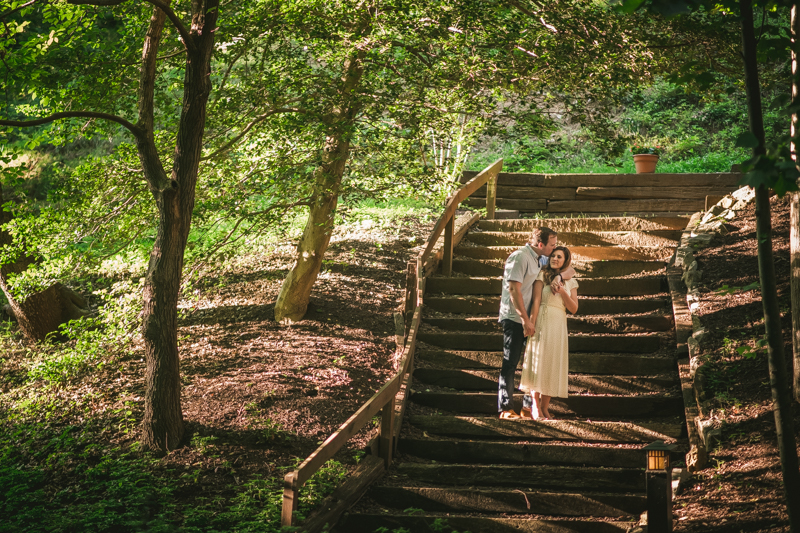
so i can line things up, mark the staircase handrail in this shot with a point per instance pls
(487, 176)
(384, 401)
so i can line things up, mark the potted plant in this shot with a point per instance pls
(645, 158)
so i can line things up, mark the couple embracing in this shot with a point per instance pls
(538, 289)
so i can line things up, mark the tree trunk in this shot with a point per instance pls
(772, 319)
(162, 425)
(296, 289)
(794, 210)
(295, 292)
(43, 312)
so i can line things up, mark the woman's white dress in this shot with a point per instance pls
(546, 365)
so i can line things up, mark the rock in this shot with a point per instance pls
(696, 323)
(694, 363)
(743, 196)
(684, 257)
(679, 478)
(700, 240)
(6, 313)
(701, 336)
(694, 346)
(692, 275)
(710, 433)
(715, 213)
(696, 459)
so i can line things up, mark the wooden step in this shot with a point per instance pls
(643, 286)
(519, 204)
(487, 305)
(369, 523)
(468, 427)
(674, 222)
(500, 452)
(595, 253)
(659, 237)
(585, 206)
(640, 343)
(721, 180)
(589, 363)
(585, 269)
(496, 501)
(575, 324)
(604, 192)
(653, 405)
(547, 477)
(483, 380)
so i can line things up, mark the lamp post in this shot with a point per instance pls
(658, 478)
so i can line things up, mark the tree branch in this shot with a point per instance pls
(257, 120)
(102, 3)
(18, 8)
(184, 33)
(163, 6)
(230, 239)
(73, 114)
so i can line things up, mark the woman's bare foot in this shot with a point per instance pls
(544, 406)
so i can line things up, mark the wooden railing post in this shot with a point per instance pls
(290, 498)
(491, 195)
(411, 293)
(447, 256)
(387, 433)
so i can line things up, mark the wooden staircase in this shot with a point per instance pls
(582, 472)
(460, 468)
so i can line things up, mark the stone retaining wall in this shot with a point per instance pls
(704, 431)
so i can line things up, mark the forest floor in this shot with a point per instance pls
(742, 488)
(258, 397)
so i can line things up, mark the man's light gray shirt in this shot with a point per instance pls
(522, 266)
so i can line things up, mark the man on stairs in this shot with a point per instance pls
(522, 268)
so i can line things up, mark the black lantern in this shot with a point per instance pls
(658, 477)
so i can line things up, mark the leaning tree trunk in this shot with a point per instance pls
(296, 289)
(162, 425)
(40, 313)
(794, 212)
(295, 292)
(769, 297)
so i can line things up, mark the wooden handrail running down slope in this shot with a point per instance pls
(385, 399)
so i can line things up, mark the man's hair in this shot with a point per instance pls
(542, 235)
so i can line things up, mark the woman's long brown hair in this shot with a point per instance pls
(549, 273)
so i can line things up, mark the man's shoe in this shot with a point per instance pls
(526, 414)
(509, 415)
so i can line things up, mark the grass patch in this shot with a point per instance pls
(59, 476)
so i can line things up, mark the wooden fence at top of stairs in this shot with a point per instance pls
(607, 194)
(458, 464)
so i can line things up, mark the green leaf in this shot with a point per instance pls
(746, 140)
(629, 6)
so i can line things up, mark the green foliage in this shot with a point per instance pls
(694, 135)
(725, 289)
(91, 341)
(113, 489)
(637, 149)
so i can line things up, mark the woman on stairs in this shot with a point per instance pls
(546, 365)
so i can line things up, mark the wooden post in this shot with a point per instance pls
(447, 256)
(411, 292)
(290, 498)
(387, 432)
(491, 195)
(794, 216)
